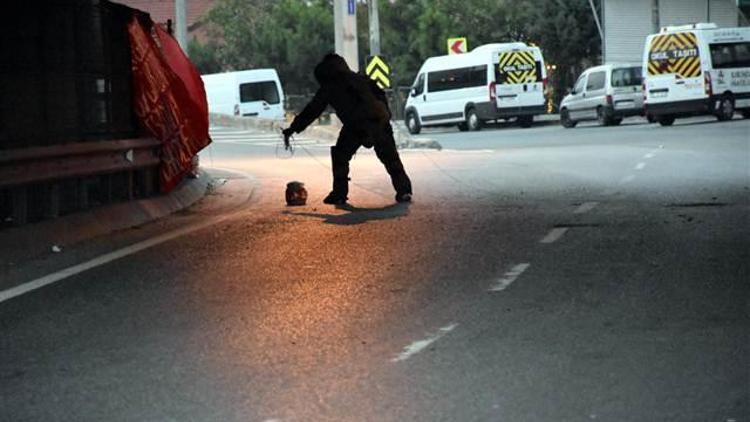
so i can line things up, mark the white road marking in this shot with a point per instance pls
(640, 166)
(627, 179)
(103, 259)
(509, 277)
(420, 345)
(649, 155)
(585, 207)
(554, 234)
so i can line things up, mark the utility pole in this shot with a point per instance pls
(180, 17)
(372, 12)
(345, 31)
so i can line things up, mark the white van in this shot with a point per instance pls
(493, 81)
(606, 93)
(255, 93)
(697, 69)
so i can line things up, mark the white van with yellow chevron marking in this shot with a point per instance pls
(696, 69)
(493, 81)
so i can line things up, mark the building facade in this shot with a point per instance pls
(626, 23)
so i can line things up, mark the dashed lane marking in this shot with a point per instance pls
(554, 235)
(509, 277)
(585, 207)
(420, 345)
(640, 166)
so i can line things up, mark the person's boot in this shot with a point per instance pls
(400, 181)
(340, 168)
(403, 197)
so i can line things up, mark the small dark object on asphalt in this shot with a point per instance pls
(296, 194)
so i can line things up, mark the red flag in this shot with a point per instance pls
(172, 109)
(186, 71)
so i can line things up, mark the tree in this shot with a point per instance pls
(288, 35)
(204, 56)
(292, 35)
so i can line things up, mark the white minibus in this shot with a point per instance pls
(697, 69)
(493, 81)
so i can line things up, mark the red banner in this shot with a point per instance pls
(169, 99)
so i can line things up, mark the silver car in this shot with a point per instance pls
(606, 93)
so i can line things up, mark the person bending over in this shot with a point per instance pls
(363, 109)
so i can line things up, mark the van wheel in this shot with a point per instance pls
(616, 122)
(463, 126)
(412, 123)
(746, 114)
(472, 120)
(603, 117)
(666, 120)
(726, 109)
(525, 121)
(565, 119)
(651, 119)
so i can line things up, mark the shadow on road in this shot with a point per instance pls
(357, 215)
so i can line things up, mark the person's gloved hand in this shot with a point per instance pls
(288, 132)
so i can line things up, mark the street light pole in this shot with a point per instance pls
(345, 31)
(372, 12)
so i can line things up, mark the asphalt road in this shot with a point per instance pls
(541, 274)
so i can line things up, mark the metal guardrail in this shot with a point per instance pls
(41, 164)
(37, 183)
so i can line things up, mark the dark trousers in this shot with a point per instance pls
(385, 149)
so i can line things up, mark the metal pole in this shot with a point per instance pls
(180, 17)
(596, 19)
(655, 17)
(345, 31)
(372, 11)
(599, 26)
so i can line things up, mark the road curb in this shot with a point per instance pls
(39, 238)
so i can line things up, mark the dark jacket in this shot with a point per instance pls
(359, 102)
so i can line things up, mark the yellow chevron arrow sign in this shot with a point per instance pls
(378, 70)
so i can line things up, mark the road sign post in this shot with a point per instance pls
(378, 69)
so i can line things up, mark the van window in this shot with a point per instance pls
(259, 91)
(730, 55)
(465, 77)
(626, 76)
(596, 81)
(419, 85)
(578, 87)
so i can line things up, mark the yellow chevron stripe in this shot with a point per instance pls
(693, 70)
(504, 59)
(657, 43)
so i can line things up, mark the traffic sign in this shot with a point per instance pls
(379, 70)
(457, 45)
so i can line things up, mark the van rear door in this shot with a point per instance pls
(519, 78)
(673, 68)
(261, 99)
